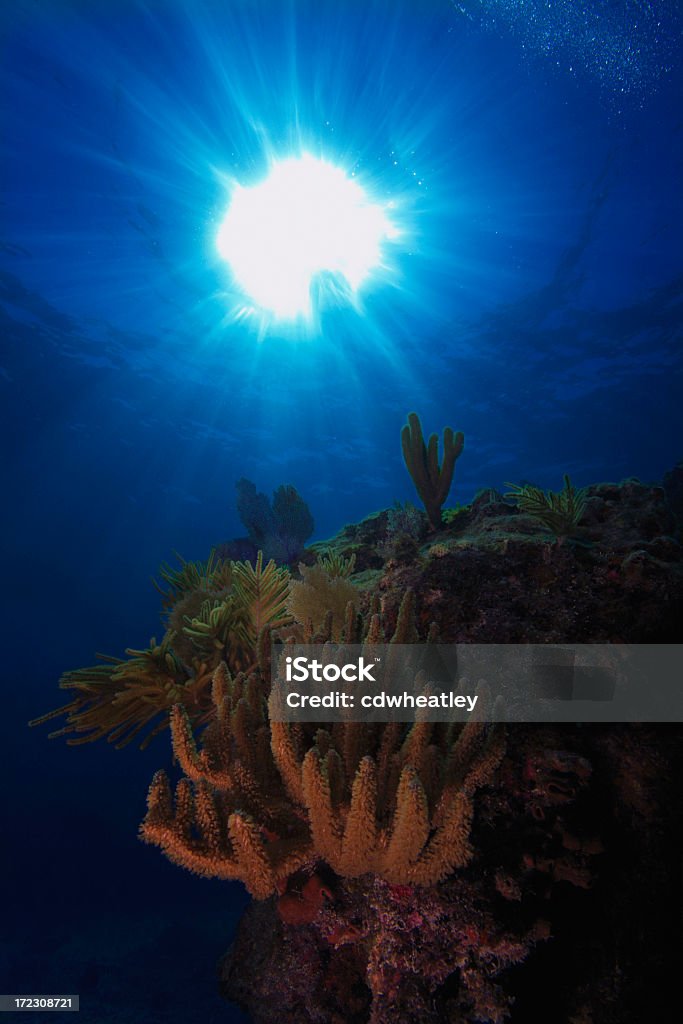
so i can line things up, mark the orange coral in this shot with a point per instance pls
(262, 799)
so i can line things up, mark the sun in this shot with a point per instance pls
(305, 218)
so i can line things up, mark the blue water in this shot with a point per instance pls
(533, 160)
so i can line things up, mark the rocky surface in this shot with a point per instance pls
(495, 575)
(536, 929)
(569, 911)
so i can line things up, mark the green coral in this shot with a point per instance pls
(212, 575)
(451, 515)
(221, 624)
(559, 511)
(335, 565)
(261, 592)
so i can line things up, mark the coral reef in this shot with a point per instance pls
(433, 872)
(432, 481)
(504, 579)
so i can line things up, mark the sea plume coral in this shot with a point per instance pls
(211, 576)
(231, 604)
(122, 698)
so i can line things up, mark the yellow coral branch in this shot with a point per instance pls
(325, 824)
(360, 833)
(410, 828)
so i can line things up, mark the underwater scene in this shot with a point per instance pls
(347, 331)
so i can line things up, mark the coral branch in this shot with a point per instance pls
(432, 481)
(325, 825)
(360, 833)
(411, 827)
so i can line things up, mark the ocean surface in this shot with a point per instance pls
(529, 157)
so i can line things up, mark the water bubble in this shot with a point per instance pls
(627, 46)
